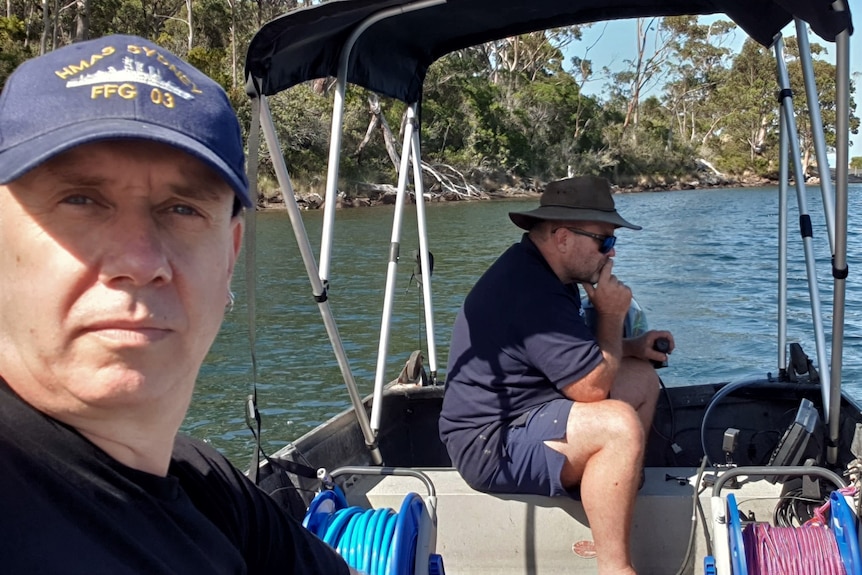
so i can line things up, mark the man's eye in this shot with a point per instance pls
(184, 210)
(77, 200)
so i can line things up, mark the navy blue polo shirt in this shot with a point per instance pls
(518, 339)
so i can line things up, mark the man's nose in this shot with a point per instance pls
(137, 252)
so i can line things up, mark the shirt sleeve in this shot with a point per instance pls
(557, 341)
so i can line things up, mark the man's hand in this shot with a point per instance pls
(641, 346)
(609, 296)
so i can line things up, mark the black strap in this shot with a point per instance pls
(251, 413)
(294, 467)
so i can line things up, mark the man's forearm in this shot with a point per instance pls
(609, 331)
(596, 385)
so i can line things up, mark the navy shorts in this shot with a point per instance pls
(530, 466)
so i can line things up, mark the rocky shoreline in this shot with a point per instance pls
(369, 195)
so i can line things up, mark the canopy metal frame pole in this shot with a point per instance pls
(320, 296)
(331, 193)
(424, 259)
(839, 254)
(783, 179)
(320, 279)
(392, 267)
(817, 129)
(805, 229)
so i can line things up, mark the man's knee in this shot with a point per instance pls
(622, 422)
(607, 421)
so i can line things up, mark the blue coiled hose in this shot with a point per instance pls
(373, 541)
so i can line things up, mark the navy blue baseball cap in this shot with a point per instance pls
(117, 87)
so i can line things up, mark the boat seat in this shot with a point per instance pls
(501, 533)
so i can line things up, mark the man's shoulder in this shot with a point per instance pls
(517, 278)
(187, 447)
(195, 460)
(503, 270)
(521, 260)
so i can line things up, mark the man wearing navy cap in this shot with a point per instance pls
(121, 189)
(536, 401)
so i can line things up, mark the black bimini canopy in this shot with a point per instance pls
(393, 55)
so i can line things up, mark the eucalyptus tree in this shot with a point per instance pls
(653, 42)
(824, 74)
(747, 96)
(82, 20)
(700, 53)
(747, 136)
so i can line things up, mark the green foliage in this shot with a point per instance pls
(12, 29)
(211, 61)
(12, 50)
(302, 124)
(447, 115)
(856, 162)
(511, 105)
(490, 135)
(213, 21)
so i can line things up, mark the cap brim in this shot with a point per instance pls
(19, 160)
(526, 220)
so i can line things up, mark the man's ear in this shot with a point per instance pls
(557, 239)
(237, 226)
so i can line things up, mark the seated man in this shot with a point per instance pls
(537, 403)
(121, 195)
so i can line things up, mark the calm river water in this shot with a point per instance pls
(704, 267)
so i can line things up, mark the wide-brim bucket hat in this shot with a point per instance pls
(582, 198)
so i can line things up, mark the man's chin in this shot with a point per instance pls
(127, 387)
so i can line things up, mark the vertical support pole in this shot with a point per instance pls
(424, 260)
(783, 179)
(813, 99)
(839, 255)
(805, 228)
(392, 269)
(331, 194)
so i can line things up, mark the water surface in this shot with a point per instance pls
(704, 267)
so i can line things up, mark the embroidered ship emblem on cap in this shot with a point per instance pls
(132, 72)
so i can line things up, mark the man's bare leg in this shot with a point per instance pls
(605, 458)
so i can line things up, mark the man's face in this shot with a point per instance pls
(585, 261)
(116, 260)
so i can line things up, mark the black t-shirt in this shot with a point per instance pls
(66, 507)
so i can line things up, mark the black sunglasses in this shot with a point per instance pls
(606, 243)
